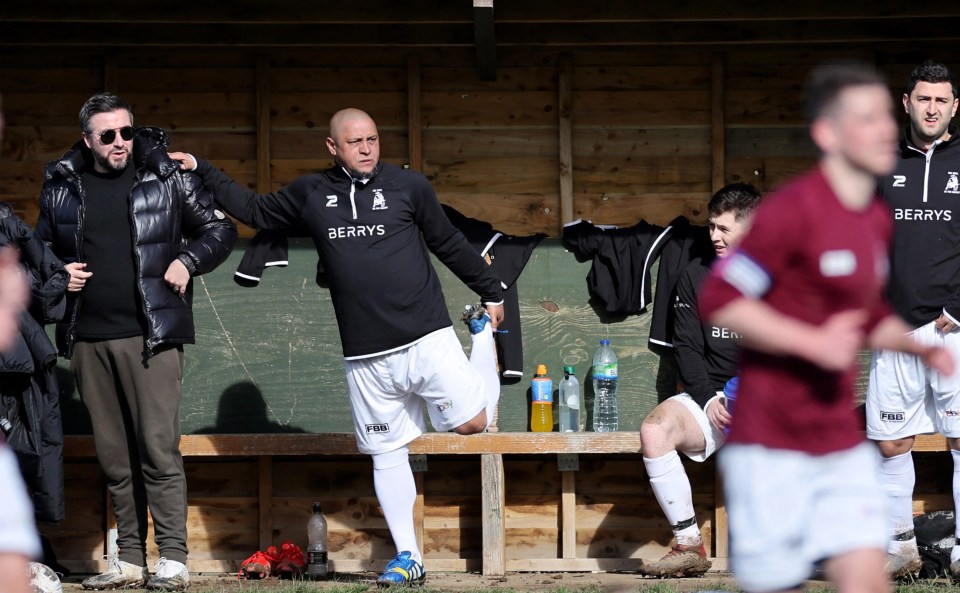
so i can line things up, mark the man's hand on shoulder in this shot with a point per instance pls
(187, 161)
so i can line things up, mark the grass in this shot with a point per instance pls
(939, 586)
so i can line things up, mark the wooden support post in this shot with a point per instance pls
(485, 39)
(492, 508)
(721, 532)
(565, 102)
(263, 124)
(568, 513)
(718, 120)
(265, 501)
(418, 507)
(414, 130)
(109, 519)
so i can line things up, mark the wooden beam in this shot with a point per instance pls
(718, 120)
(721, 528)
(565, 162)
(445, 12)
(265, 501)
(568, 512)
(263, 124)
(418, 509)
(414, 127)
(485, 39)
(492, 512)
(442, 443)
(865, 30)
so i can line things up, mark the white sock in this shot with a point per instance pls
(955, 552)
(898, 478)
(672, 488)
(397, 493)
(483, 357)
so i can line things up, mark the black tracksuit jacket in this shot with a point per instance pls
(924, 196)
(373, 240)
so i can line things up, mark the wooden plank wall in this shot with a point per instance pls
(617, 520)
(646, 126)
(642, 121)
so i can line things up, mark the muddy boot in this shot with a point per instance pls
(681, 561)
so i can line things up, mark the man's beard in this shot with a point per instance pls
(360, 175)
(107, 164)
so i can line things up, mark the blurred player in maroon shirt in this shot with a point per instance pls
(805, 291)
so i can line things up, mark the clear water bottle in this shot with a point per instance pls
(317, 544)
(570, 401)
(606, 418)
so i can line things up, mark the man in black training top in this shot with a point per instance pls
(905, 397)
(375, 225)
(694, 421)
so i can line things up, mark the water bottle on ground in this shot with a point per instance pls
(730, 394)
(605, 415)
(317, 546)
(570, 401)
(541, 401)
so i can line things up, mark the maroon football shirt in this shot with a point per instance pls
(809, 257)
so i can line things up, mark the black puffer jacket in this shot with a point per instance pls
(29, 397)
(172, 216)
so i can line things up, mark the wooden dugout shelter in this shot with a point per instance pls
(523, 113)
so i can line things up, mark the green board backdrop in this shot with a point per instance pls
(268, 359)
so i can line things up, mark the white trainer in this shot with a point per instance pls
(119, 575)
(43, 579)
(169, 575)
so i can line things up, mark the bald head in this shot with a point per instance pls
(354, 142)
(346, 116)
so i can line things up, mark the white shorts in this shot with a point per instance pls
(713, 437)
(388, 392)
(905, 398)
(789, 510)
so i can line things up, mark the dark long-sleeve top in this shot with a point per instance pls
(373, 239)
(706, 354)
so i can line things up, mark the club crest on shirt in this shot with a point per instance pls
(379, 202)
(953, 183)
(838, 262)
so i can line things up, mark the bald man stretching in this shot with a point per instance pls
(374, 225)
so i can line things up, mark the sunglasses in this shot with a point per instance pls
(108, 136)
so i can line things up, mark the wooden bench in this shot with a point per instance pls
(491, 448)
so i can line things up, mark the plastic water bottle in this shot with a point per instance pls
(317, 545)
(570, 401)
(730, 394)
(541, 401)
(606, 417)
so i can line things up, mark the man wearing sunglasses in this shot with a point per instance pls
(132, 230)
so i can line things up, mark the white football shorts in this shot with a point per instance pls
(789, 509)
(905, 398)
(713, 437)
(388, 392)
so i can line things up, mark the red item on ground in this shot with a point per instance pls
(291, 562)
(260, 565)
